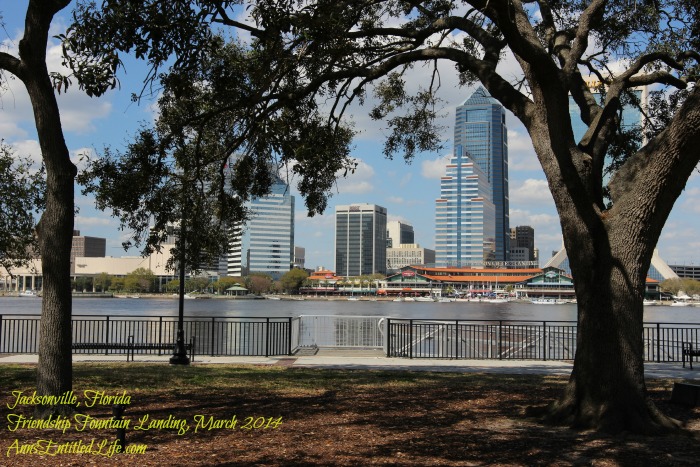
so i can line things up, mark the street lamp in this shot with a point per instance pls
(180, 356)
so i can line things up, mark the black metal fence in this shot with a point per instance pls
(409, 338)
(525, 340)
(215, 336)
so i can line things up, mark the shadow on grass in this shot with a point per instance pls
(337, 417)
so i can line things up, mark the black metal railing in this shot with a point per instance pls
(215, 336)
(524, 340)
(410, 338)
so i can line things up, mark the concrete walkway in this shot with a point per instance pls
(371, 360)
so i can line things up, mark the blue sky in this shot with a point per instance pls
(408, 191)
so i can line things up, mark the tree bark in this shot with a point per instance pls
(606, 389)
(610, 253)
(55, 229)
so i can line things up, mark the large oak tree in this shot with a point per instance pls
(321, 55)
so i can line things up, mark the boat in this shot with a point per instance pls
(680, 303)
(424, 299)
(409, 299)
(547, 301)
(28, 293)
(649, 302)
(398, 299)
(189, 297)
(353, 299)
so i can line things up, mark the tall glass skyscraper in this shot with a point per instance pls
(266, 243)
(480, 130)
(360, 240)
(464, 215)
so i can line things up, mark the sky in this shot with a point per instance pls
(407, 191)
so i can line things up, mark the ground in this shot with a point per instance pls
(334, 417)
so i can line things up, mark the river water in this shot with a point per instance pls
(165, 307)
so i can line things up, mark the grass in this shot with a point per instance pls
(346, 417)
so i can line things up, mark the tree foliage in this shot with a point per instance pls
(23, 197)
(689, 286)
(292, 280)
(140, 280)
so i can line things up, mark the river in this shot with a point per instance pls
(513, 311)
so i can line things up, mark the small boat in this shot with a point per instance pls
(649, 302)
(680, 303)
(398, 299)
(424, 299)
(353, 299)
(189, 297)
(409, 299)
(28, 293)
(546, 301)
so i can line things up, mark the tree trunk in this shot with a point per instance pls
(55, 229)
(606, 390)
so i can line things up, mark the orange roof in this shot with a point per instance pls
(481, 279)
(320, 275)
(474, 271)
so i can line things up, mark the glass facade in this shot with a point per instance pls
(464, 215)
(360, 240)
(480, 130)
(266, 243)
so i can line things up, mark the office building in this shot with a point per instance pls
(464, 215)
(399, 233)
(522, 238)
(480, 130)
(360, 240)
(408, 255)
(299, 257)
(265, 244)
(83, 246)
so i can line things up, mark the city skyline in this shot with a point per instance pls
(407, 191)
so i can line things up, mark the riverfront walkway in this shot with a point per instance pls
(375, 360)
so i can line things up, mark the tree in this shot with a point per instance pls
(335, 53)
(24, 193)
(226, 282)
(55, 228)
(102, 281)
(139, 280)
(291, 281)
(258, 283)
(674, 286)
(196, 284)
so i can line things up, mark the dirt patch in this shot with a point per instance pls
(295, 417)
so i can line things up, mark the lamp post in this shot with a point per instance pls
(180, 356)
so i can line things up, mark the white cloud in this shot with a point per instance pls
(531, 191)
(435, 168)
(521, 154)
(358, 182)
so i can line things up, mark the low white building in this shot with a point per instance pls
(409, 254)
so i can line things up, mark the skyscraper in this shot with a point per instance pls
(360, 240)
(464, 215)
(266, 243)
(480, 130)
